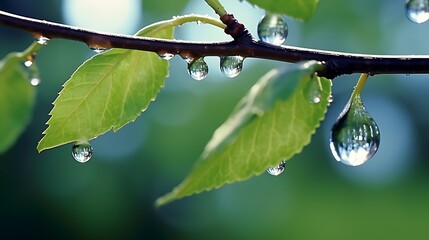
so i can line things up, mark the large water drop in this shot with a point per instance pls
(273, 29)
(417, 10)
(277, 170)
(82, 151)
(355, 136)
(198, 69)
(231, 66)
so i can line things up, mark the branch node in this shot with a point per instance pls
(235, 29)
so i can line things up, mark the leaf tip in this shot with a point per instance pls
(175, 194)
(162, 201)
(41, 146)
(46, 143)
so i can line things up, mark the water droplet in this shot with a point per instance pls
(98, 49)
(417, 10)
(273, 29)
(277, 170)
(198, 69)
(313, 90)
(33, 72)
(331, 98)
(42, 40)
(166, 55)
(231, 66)
(29, 60)
(82, 151)
(35, 81)
(355, 136)
(28, 63)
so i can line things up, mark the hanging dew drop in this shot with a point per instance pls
(42, 40)
(231, 66)
(28, 63)
(98, 49)
(82, 151)
(35, 81)
(273, 29)
(355, 136)
(417, 10)
(277, 170)
(166, 55)
(198, 69)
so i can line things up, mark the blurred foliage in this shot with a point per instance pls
(50, 195)
(16, 99)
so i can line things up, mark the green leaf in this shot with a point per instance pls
(106, 92)
(273, 122)
(16, 100)
(298, 9)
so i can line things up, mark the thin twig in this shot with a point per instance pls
(337, 63)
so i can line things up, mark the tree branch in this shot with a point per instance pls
(336, 63)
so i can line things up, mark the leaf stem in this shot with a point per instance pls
(30, 51)
(335, 63)
(360, 84)
(180, 20)
(217, 7)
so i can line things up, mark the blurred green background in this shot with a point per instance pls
(49, 195)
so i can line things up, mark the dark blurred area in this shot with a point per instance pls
(49, 195)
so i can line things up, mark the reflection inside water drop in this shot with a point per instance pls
(355, 136)
(273, 29)
(198, 69)
(82, 151)
(231, 66)
(277, 170)
(417, 10)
